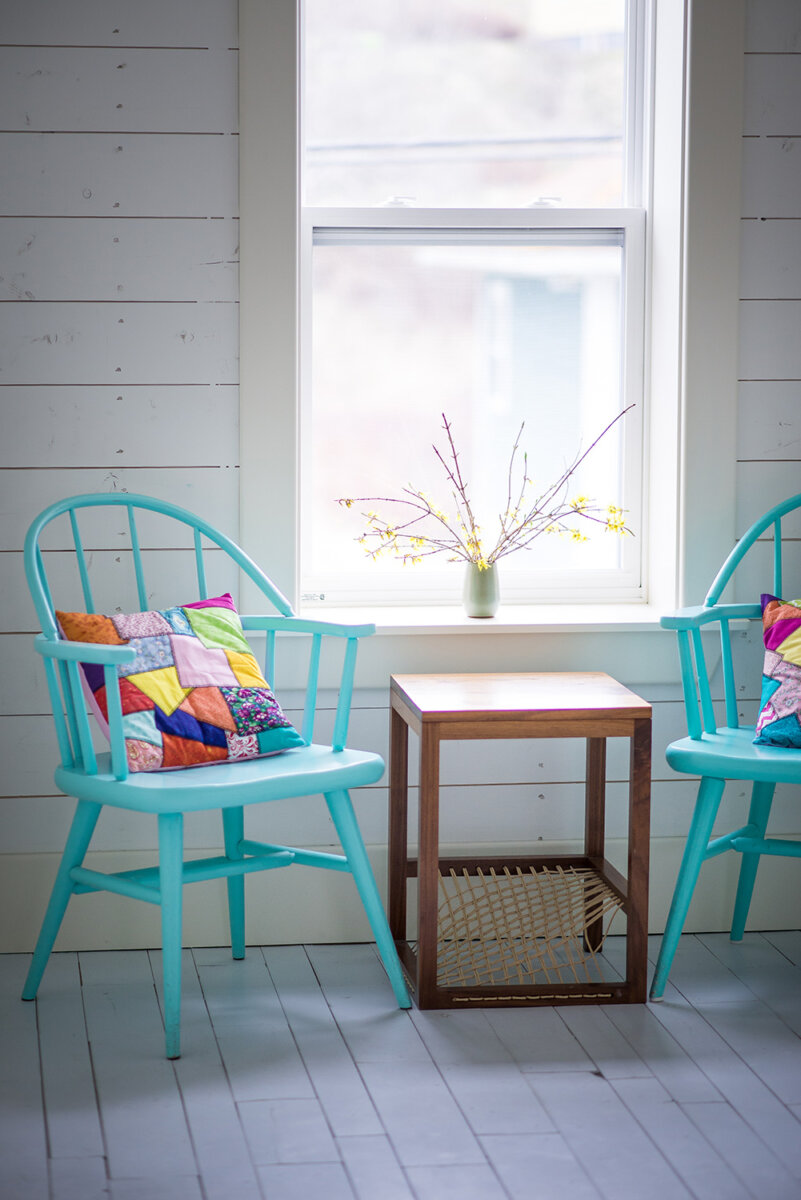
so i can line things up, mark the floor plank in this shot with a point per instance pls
(765, 970)
(332, 1072)
(421, 1117)
(212, 1116)
(538, 1168)
(734, 1078)
(595, 1125)
(73, 1119)
(140, 1101)
(23, 1141)
(257, 1047)
(706, 1175)
(373, 1168)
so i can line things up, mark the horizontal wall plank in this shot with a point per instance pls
(769, 421)
(772, 101)
(772, 26)
(81, 258)
(118, 22)
(760, 485)
(80, 88)
(769, 344)
(771, 177)
(113, 427)
(770, 259)
(84, 174)
(103, 343)
(208, 491)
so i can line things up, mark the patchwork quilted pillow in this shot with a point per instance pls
(193, 695)
(779, 722)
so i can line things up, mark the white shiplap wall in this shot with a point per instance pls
(118, 247)
(118, 324)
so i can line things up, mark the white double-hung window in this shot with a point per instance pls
(472, 244)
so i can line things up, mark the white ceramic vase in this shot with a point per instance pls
(481, 592)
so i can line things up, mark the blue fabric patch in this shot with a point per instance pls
(184, 725)
(141, 726)
(785, 733)
(177, 618)
(152, 653)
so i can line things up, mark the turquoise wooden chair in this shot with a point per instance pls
(718, 753)
(95, 779)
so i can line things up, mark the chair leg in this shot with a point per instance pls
(346, 825)
(233, 832)
(171, 826)
(706, 809)
(80, 835)
(758, 813)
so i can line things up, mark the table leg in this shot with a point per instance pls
(639, 838)
(428, 868)
(398, 823)
(595, 824)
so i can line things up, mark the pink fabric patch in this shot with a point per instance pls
(242, 747)
(224, 601)
(143, 756)
(198, 666)
(139, 625)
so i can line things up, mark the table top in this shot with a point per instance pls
(445, 697)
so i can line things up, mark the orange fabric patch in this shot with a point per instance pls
(206, 704)
(185, 752)
(89, 627)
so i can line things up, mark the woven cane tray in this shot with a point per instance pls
(523, 926)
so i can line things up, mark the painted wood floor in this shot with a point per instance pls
(299, 1078)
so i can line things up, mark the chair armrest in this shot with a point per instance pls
(278, 624)
(273, 624)
(91, 652)
(696, 617)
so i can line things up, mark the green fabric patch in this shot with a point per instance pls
(218, 628)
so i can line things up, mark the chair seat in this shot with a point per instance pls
(306, 771)
(731, 754)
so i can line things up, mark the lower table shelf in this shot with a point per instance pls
(524, 932)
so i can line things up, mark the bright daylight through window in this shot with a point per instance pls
(472, 245)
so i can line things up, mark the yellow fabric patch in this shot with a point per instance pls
(162, 687)
(790, 649)
(246, 669)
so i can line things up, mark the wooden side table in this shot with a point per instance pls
(519, 929)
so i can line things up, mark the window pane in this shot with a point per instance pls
(491, 328)
(471, 103)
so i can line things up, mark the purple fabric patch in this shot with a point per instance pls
(224, 601)
(780, 630)
(93, 673)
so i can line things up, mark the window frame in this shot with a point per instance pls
(692, 253)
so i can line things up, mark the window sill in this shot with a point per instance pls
(511, 618)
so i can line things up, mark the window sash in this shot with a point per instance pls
(621, 226)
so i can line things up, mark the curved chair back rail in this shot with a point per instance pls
(720, 752)
(97, 779)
